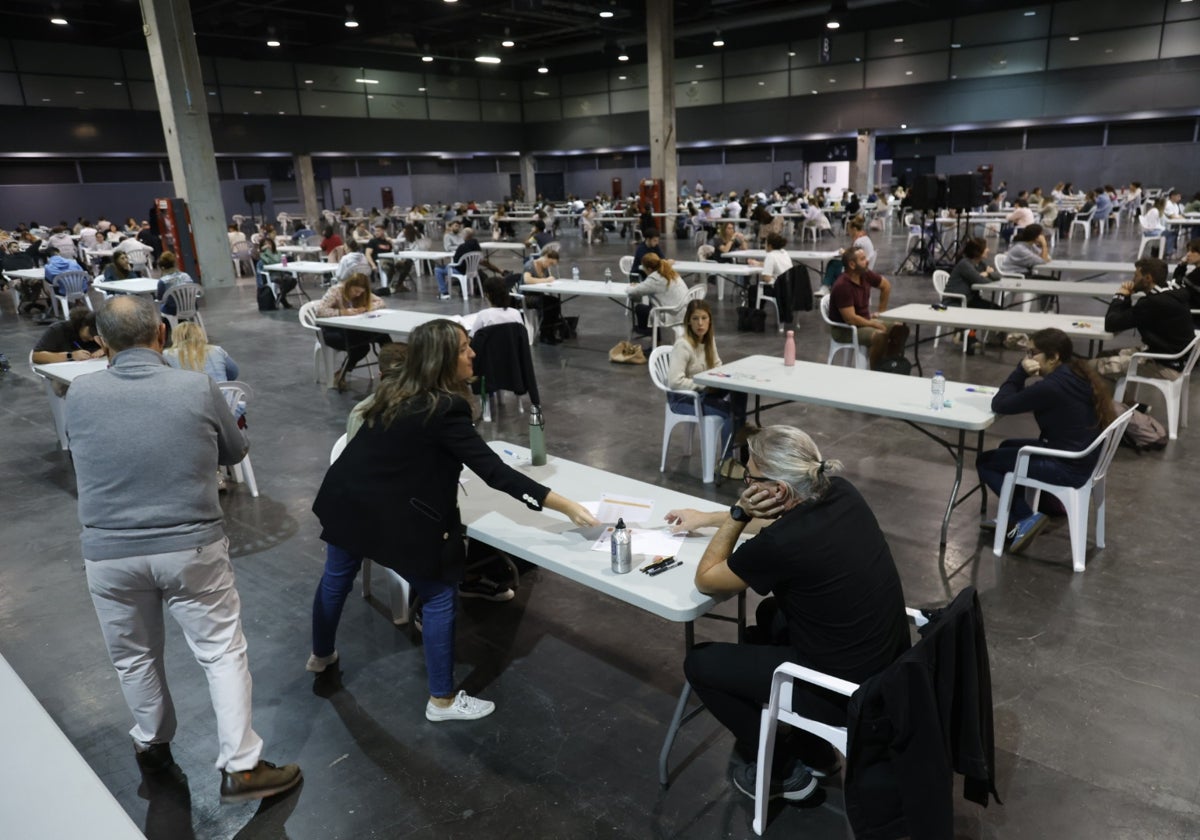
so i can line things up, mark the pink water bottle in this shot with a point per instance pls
(789, 349)
(283, 261)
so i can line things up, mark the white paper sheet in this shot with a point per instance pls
(648, 541)
(631, 509)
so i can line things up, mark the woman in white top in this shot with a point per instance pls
(777, 262)
(696, 353)
(1152, 219)
(663, 286)
(498, 310)
(856, 228)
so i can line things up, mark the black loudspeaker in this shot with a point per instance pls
(965, 191)
(928, 192)
(255, 193)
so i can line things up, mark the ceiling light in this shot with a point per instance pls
(367, 81)
(258, 93)
(718, 41)
(622, 78)
(606, 14)
(791, 53)
(907, 72)
(955, 46)
(837, 10)
(897, 40)
(833, 81)
(1073, 38)
(79, 93)
(308, 81)
(508, 42)
(904, 125)
(762, 84)
(281, 113)
(420, 90)
(487, 59)
(814, 91)
(118, 84)
(832, 23)
(543, 69)
(699, 66)
(427, 58)
(623, 56)
(450, 1)
(1030, 14)
(58, 21)
(272, 43)
(351, 23)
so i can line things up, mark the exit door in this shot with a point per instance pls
(616, 188)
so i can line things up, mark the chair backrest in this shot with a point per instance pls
(697, 292)
(138, 256)
(940, 279)
(1001, 263)
(825, 312)
(72, 283)
(1111, 438)
(1192, 351)
(704, 253)
(659, 367)
(241, 251)
(338, 446)
(308, 315)
(469, 264)
(235, 392)
(625, 264)
(184, 295)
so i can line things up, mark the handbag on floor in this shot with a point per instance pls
(627, 353)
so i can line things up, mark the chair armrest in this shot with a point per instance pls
(918, 617)
(1021, 467)
(1172, 356)
(955, 296)
(790, 670)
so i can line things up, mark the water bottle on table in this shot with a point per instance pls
(789, 349)
(622, 549)
(608, 276)
(937, 391)
(537, 437)
(574, 272)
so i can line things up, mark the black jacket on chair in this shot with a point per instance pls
(911, 727)
(503, 361)
(793, 292)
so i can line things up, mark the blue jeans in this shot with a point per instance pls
(730, 406)
(995, 464)
(439, 601)
(440, 274)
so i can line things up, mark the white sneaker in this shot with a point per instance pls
(318, 664)
(443, 297)
(464, 707)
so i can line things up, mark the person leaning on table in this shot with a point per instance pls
(664, 288)
(838, 606)
(352, 296)
(392, 496)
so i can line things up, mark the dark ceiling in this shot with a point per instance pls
(565, 34)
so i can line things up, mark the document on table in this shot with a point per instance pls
(648, 541)
(613, 507)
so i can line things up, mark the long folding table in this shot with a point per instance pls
(904, 398)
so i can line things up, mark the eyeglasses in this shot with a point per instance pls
(750, 479)
(1033, 351)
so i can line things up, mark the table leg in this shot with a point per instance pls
(982, 488)
(958, 469)
(917, 349)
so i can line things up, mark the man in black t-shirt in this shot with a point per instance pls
(378, 244)
(838, 606)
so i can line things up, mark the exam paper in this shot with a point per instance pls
(648, 541)
(613, 507)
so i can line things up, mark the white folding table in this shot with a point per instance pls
(1031, 287)
(722, 270)
(298, 250)
(821, 258)
(551, 541)
(398, 323)
(416, 256)
(953, 318)
(132, 286)
(64, 373)
(296, 268)
(903, 398)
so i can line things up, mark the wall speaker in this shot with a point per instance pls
(255, 193)
(965, 191)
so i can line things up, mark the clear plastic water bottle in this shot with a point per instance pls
(622, 549)
(574, 272)
(537, 436)
(937, 391)
(608, 276)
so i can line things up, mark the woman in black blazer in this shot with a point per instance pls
(392, 496)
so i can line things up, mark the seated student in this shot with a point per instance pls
(1028, 250)
(856, 231)
(190, 350)
(696, 353)
(169, 278)
(1071, 407)
(538, 235)
(119, 268)
(650, 244)
(1187, 276)
(728, 239)
(850, 303)
(539, 270)
(971, 271)
(269, 255)
(1162, 318)
(499, 309)
(330, 240)
(352, 296)
(57, 265)
(663, 286)
(838, 605)
(72, 340)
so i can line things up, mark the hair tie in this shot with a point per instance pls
(821, 468)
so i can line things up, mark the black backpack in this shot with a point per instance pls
(266, 299)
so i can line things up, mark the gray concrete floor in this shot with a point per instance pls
(1096, 688)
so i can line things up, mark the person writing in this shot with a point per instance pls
(72, 340)
(837, 604)
(694, 355)
(392, 496)
(1071, 406)
(663, 286)
(352, 296)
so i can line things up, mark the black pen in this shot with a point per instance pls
(658, 562)
(659, 570)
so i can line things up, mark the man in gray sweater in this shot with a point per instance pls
(146, 440)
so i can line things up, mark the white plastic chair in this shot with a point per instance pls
(625, 265)
(139, 260)
(1174, 391)
(779, 710)
(665, 316)
(398, 588)
(74, 285)
(465, 271)
(239, 392)
(940, 279)
(240, 254)
(858, 352)
(185, 296)
(710, 426)
(1084, 220)
(1158, 237)
(1075, 499)
(324, 356)
(58, 405)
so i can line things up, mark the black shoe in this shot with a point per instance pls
(798, 786)
(264, 780)
(155, 759)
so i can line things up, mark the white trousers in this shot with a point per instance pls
(197, 588)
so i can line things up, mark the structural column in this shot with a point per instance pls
(528, 179)
(862, 169)
(660, 79)
(307, 183)
(182, 104)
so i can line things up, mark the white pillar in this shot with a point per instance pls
(307, 184)
(183, 106)
(528, 179)
(862, 169)
(660, 79)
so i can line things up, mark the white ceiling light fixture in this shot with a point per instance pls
(1030, 14)
(427, 59)
(367, 81)
(718, 41)
(508, 41)
(955, 46)
(897, 40)
(58, 21)
(272, 43)
(1073, 38)
(904, 125)
(543, 69)
(488, 59)
(837, 10)
(350, 23)
(606, 14)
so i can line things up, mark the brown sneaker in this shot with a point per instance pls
(264, 780)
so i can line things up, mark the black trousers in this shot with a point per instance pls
(356, 343)
(734, 683)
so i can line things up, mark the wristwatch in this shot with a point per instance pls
(738, 515)
(70, 356)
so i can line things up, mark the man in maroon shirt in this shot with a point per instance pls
(850, 304)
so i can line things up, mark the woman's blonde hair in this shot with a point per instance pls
(360, 280)
(788, 455)
(190, 344)
(653, 263)
(428, 376)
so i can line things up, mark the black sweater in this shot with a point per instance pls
(1062, 405)
(1163, 319)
